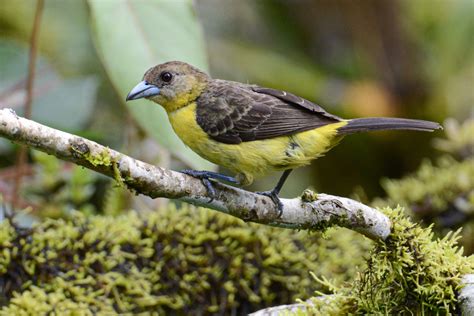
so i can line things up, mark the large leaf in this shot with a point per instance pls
(132, 36)
(55, 97)
(62, 103)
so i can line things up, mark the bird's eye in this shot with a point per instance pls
(166, 76)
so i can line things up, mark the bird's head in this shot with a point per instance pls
(173, 85)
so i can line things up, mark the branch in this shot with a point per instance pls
(466, 301)
(466, 295)
(310, 211)
(291, 309)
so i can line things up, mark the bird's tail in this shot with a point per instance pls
(387, 123)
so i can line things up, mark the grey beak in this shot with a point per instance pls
(143, 90)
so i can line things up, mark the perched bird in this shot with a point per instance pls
(250, 130)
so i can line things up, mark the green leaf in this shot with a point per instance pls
(131, 37)
(55, 97)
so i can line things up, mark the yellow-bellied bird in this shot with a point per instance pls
(248, 129)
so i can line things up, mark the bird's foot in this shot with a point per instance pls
(205, 177)
(274, 196)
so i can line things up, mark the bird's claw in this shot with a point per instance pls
(211, 192)
(205, 177)
(274, 196)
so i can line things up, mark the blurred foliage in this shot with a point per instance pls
(398, 58)
(64, 34)
(435, 189)
(72, 90)
(55, 97)
(410, 273)
(301, 76)
(369, 58)
(366, 58)
(58, 188)
(459, 139)
(186, 260)
(152, 36)
(443, 193)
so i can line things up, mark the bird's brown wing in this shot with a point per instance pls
(233, 113)
(296, 101)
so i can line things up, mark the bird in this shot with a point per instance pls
(248, 129)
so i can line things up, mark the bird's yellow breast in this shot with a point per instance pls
(255, 158)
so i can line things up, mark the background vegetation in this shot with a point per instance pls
(365, 58)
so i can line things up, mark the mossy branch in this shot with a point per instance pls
(310, 211)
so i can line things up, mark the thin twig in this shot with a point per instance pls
(22, 154)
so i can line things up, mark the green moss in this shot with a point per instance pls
(309, 196)
(184, 260)
(409, 273)
(434, 187)
(330, 305)
(442, 194)
(458, 139)
(101, 159)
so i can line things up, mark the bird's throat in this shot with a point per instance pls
(184, 97)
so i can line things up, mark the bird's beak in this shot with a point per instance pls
(143, 90)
